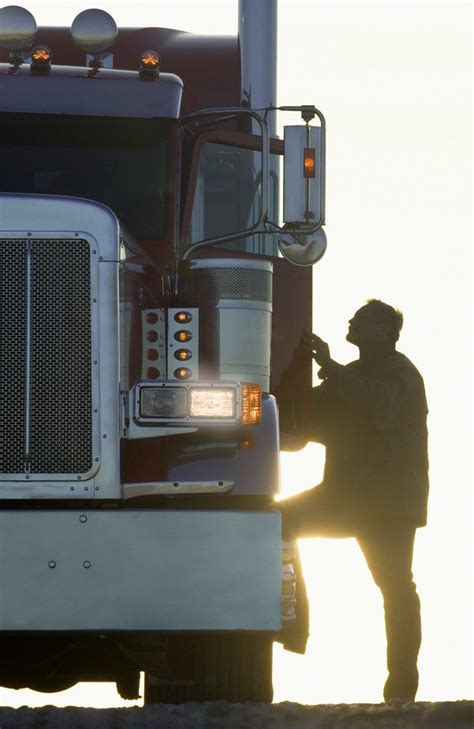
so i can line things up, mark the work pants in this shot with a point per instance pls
(388, 550)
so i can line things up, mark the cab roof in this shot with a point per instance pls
(209, 66)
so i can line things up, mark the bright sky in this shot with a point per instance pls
(394, 82)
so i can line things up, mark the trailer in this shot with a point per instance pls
(151, 300)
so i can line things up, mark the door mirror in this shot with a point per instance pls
(303, 242)
(303, 196)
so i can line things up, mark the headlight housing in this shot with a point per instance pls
(206, 402)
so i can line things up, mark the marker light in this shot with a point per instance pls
(251, 404)
(212, 402)
(152, 354)
(183, 354)
(183, 373)
(309, 162)
(183, 335)
(41, 58)
(152, 373)
(150, 62)
(183, 317)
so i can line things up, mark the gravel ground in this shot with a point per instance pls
(222, 715)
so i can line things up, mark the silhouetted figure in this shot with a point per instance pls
(371, 416)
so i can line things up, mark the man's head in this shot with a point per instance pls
(375, 323)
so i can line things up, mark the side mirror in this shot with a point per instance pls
(302, 241)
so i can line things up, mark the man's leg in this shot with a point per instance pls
(311, 514)
(388, 551)
(307, 514)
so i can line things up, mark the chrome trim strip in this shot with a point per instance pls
(167, 488)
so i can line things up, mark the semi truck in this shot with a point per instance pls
(152, 297)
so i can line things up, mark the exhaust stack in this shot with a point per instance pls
(258, 54)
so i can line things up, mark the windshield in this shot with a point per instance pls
(122, 163)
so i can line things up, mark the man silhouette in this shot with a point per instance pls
(371, 416)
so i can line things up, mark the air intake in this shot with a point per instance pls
(235, 300)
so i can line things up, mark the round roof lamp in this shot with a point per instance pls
(94, 31)
(17, 28)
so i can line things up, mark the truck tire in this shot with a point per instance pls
(234, 668)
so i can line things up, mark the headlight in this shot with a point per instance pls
(163, 402)
(212, 402)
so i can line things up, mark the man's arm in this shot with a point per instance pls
(304, 410)
(380, 396)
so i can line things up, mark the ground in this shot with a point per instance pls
(222, 715)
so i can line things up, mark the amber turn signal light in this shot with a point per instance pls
(251, 404)
(309, 162)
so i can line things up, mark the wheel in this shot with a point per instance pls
(235, 668)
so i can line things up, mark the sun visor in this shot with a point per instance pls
(108, 93)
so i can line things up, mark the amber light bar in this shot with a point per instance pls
(251, 404)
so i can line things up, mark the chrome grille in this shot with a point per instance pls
(46, 355)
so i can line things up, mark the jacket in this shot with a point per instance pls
(371, 416)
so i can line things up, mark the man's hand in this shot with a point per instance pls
(318, 347)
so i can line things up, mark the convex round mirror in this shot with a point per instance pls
(310, 250)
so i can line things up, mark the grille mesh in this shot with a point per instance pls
(59, 418)
(239, 284)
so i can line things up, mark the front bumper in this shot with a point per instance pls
(137, 570)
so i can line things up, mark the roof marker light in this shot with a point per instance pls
(40, 58)
(149, 63)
